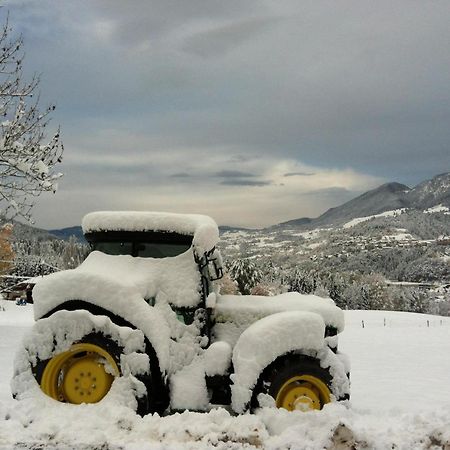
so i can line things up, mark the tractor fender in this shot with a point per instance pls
(159, 385)
(265, 341)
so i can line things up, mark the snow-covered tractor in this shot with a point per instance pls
(141, 322)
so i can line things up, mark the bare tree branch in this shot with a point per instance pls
(27, 159)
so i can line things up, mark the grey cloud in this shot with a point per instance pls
(361, 99)
(153, 20)
(215, 42)
(233, 174)
(363, 87)
(240, 159)
(330, 191)
(243, 182)
(115, 176)
(298, 174)
(181, 175)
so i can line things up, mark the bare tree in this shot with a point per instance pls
(27, 159)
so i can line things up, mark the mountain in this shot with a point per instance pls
(66, 233)
(231, 229)
(387, 197)
(296, 222)
(23, 231)
(431, 193)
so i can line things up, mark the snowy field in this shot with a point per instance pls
(400, 399)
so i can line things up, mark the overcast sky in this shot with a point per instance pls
(253, 112)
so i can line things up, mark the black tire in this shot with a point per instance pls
(114, 350)
(299, 375)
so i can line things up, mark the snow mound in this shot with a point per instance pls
(32, 426)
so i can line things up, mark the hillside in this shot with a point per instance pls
(66, 233)
(29, 232)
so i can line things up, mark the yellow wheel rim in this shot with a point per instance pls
(303, 393)
(83, 374)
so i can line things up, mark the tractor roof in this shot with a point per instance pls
(203, 228)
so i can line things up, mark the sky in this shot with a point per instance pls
(252, 111)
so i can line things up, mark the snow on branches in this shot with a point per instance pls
(26, 159)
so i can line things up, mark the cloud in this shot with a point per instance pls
(292, 96)
(219, 40)
(148, 184)
(181, 175)
(233, 174)
(243, 182)
(298, 174)
(332, 190)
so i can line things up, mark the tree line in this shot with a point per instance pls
(348, 289)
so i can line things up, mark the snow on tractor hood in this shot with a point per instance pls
(175, 279)
(243, 309)
(203, 228)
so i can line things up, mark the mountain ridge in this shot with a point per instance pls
(387, 197)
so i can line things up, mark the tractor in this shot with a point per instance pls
(141, 321)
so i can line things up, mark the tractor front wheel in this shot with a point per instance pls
(82, 374)
(76, 357)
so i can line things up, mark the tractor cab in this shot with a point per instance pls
(158, 235)
(168, 250)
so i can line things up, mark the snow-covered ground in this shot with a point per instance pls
(400, 399)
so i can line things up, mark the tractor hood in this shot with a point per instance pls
(174, 280)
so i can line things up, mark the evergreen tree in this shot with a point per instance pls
(245, 274)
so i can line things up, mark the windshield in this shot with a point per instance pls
(142, 249)
(149, 244)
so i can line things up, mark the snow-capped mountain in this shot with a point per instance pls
(430, 193)
(387, 197)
